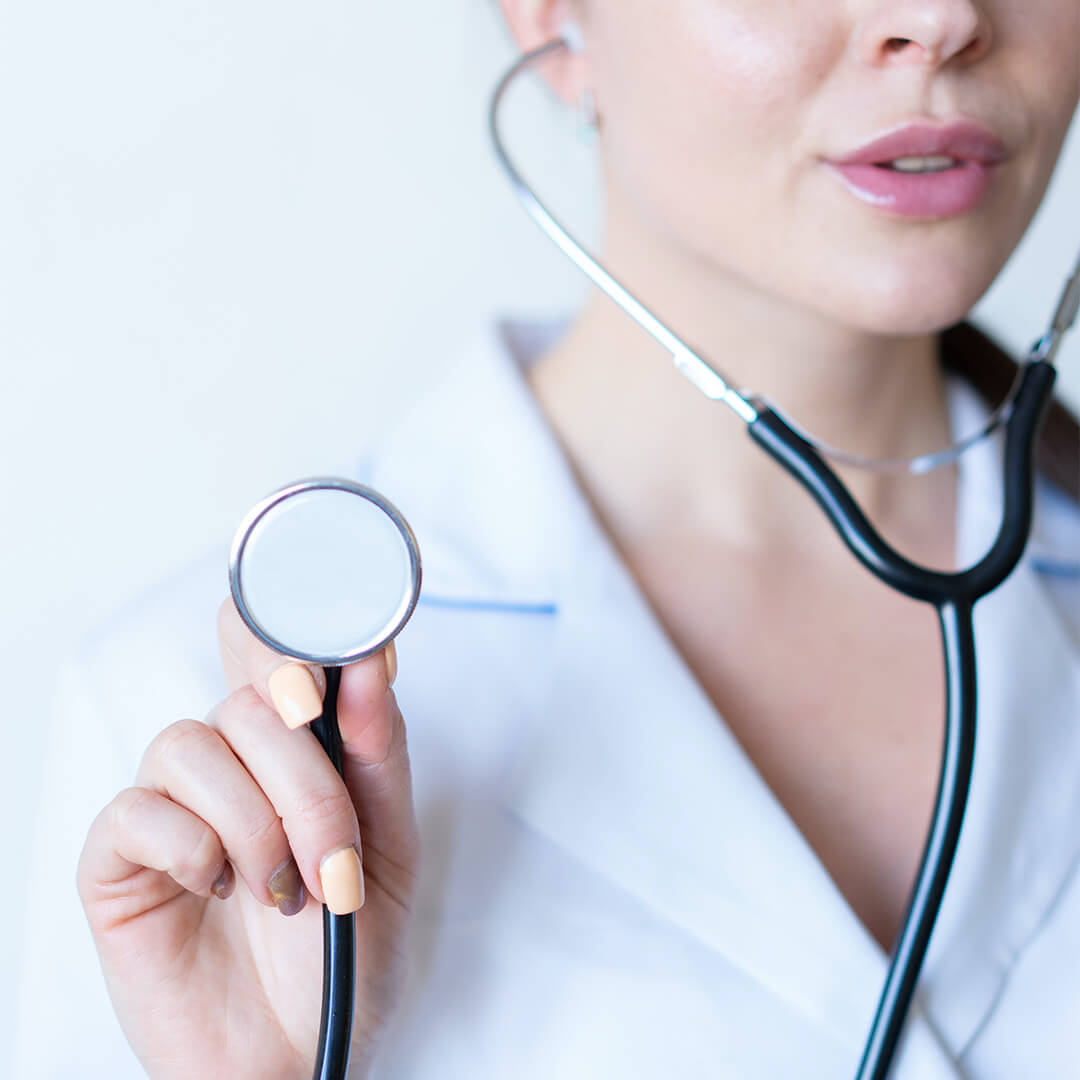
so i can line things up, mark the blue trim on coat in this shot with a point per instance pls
(465, 604)
(1056, 569)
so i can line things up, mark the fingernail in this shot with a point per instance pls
(342, 878)
(295, 694)
(391, 663)
(287, 887)
(223, 887)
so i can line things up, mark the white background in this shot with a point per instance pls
(234, 238)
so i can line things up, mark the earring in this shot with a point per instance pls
(588, 120)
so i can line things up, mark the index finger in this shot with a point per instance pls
(294, 689)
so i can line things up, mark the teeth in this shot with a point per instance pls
(936, 163)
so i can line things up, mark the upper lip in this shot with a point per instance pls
(964, 140)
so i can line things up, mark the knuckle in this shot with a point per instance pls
(324, 804)
(262, 831)
(240, 707)
(392, 745)
(201, 859)
(399, 739)
(125, 807)
(245, 700)
(181, 738)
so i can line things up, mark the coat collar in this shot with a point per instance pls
(491, 434)
(640, 779)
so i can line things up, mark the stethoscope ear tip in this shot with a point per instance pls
(571, 34)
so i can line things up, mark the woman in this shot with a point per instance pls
(673, 750)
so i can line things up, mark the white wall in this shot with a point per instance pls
(233, 238)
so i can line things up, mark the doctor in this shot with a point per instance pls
(671, 751)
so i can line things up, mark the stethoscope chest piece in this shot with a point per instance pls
(325, 570)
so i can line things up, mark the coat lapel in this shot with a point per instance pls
(632, 770)
(626, 764)
(1020, 842)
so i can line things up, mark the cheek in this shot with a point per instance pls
(1033, 85)
(705, 110)
(716, 112)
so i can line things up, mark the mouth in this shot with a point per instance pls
(924, 169)
(926, 187)
(915, 165)
(963, 140)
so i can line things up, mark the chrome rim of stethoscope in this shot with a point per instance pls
(365, 648)
(710, 381)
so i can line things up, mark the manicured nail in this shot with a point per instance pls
(295, 694)
(342, 879)
(287, 887)
(391, 663)
(223, 887)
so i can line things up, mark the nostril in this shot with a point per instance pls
(972, 47)
(897, 43)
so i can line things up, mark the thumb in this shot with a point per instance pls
(376, 769)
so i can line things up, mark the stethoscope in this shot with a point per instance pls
(328, 571)
(953, 595)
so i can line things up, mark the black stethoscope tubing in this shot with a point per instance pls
(953, 596)
(339, 931)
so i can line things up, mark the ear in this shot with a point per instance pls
(534, 23)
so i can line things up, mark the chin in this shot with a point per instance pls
(916, 301)
(886, 319)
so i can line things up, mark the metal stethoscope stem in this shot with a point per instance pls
(953, 595)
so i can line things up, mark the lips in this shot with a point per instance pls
(965, 141)
(919, 195)
(930, 195)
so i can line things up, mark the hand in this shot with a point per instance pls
(232, 987)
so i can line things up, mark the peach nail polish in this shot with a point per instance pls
(342, 878)
(295, 694)
(391, 663)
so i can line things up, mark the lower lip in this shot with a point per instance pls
(934, 195)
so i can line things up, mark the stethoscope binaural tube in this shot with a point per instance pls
(953, 595)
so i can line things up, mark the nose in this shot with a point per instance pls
(928, 32)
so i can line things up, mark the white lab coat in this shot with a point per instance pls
(608, 888)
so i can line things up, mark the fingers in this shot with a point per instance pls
(191, 764)
(303, 787)
(142, 828)
(294, 689)
(378, 775)
(244, 790)
(376, 765)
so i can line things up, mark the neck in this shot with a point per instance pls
(656, 456)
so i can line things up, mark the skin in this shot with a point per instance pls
(714, 114)
(714, 119)
(233, 988)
